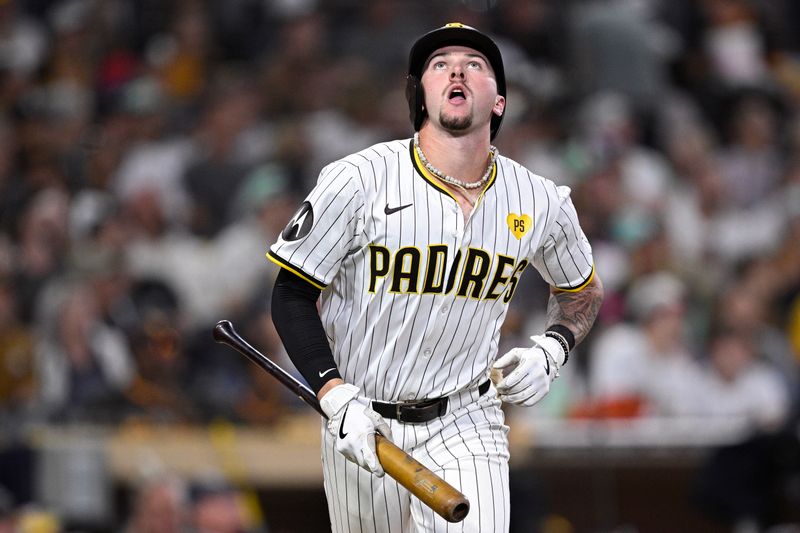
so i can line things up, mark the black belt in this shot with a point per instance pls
(418, 412)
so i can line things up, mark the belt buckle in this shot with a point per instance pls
(399, 408)
(419, 411)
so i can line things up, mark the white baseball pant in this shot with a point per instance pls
(467, 447)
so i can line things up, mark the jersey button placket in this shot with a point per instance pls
(456, 224)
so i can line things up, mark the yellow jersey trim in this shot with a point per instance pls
(579, 287)
(294, 270)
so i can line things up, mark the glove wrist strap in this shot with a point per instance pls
(561, 341)
(336, 398)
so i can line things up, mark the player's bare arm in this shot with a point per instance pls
(576, 310)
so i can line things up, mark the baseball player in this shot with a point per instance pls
(413, 249)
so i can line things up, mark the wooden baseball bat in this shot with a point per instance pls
(432, 490)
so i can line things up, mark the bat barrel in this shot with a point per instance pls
(436, 493)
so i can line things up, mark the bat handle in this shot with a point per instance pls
(225, 333)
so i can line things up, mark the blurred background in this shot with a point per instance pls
(151, 150)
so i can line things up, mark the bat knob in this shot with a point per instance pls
(223, 331)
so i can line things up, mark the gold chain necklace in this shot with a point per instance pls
(449, 179)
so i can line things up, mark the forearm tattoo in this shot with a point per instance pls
(576, 310)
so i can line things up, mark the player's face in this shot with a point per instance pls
(460, 89)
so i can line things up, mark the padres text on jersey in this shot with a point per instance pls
(407, 280)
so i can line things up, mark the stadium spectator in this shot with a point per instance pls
(739, 385)
(159, 505)
(17, 364)
(220, 508)
(83, 365)
(645, 367)
(158, 391)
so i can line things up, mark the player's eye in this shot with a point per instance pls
(439, 65)
(474, 64)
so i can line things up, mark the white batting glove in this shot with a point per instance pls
(353, 424)
(532, 371)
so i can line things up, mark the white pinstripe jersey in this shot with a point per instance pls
(413, 296)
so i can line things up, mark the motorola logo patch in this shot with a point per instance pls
(300, 224)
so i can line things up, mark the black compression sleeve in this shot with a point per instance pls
(294, 313)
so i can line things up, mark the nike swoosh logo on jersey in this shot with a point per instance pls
(389, 210)
(342, 434)
(321, 374)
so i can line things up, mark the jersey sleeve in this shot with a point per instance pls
(325, 227)
(564, 257)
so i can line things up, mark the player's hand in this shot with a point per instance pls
(528, 371)
(353, 424)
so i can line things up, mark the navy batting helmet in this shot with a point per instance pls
(450, 34)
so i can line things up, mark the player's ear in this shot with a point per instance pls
(499, 105)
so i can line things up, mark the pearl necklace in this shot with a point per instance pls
(449, 179)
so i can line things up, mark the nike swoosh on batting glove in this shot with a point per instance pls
(353, 424)
(532, 370)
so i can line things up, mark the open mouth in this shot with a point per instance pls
(456, 95)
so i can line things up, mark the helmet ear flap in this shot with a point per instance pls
(416, 101)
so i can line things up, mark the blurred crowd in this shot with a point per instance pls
(163, 504)
(151, 150)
